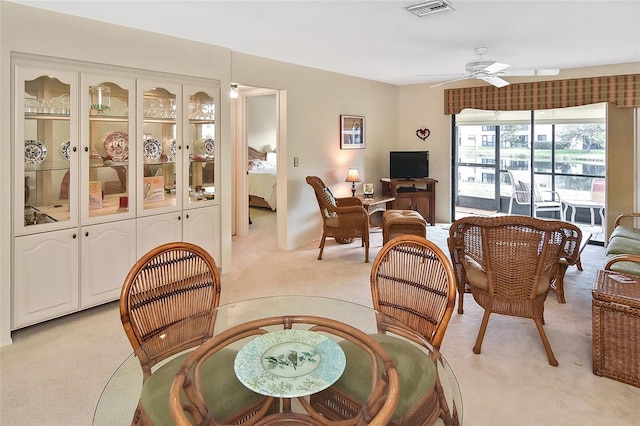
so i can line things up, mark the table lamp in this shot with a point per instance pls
(353, 177)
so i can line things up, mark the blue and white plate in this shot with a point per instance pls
(289, 363)
(205, 146)
(151, 149)
(170, 148)
(64, 150)
(34, 152)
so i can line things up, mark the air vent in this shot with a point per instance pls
(429, 7)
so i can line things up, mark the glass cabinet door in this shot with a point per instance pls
(106, 182)
(200, 134)
(45, 150)
(159, 148)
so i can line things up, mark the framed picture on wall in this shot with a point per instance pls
(352, 134)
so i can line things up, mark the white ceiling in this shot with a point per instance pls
(380, 40)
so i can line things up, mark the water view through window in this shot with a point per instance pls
(556, 153)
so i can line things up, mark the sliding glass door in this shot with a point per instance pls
(556, 154)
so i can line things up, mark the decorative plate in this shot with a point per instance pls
(152, 149)
(34, 152)
(116, 146)
(289, 363)
(64, 150)
(205, 146)
(170, 147)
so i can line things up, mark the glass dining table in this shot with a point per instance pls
(120, 395)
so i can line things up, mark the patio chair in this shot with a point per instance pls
(172, 283)
(543, 200)
(342, 218)
(412, 281)
(508, 262)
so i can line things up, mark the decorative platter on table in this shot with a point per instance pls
(34, 152)
(152, 149)
(289, 363)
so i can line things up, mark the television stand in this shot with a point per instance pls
(414, 194)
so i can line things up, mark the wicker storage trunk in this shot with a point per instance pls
(616, 327)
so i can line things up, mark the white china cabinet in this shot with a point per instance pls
(107, 165)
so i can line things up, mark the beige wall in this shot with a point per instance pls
(621, 164)
(314, 101)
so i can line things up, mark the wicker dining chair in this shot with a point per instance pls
(413, 282)
(507, 264)
(342, 218)
(172, 283)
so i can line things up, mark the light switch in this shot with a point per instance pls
(295, 161)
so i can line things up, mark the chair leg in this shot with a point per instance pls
(510, 204)
(321, 246)
(561, 268)
(483, 328)
(460, 300)
(545, 342)
(366, 251)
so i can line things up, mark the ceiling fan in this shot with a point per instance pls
(491, 71)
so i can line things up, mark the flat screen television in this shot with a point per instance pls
(408, 164)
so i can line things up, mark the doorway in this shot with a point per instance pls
(260, 175)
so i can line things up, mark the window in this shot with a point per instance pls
(565, 148)
(489, 140)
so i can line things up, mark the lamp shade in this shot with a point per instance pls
(353, 176)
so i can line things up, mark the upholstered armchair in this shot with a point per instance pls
(342, 218)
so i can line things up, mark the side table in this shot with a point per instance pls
(373, 205)
(616, 327)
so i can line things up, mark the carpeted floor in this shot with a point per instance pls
(54, 372)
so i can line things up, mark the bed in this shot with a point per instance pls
(261, 177)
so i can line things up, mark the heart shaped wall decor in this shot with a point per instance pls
(423, 133)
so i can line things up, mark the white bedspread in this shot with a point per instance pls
(262, 183)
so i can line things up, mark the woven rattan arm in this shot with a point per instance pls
(622, 258)
(349, 201)
(623, 216)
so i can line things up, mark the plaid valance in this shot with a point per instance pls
(621, 90)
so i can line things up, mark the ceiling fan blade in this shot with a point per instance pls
(451, 81)
(496, 81)
(495, 67)
(546, 71)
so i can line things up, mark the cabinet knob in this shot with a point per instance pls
(86, 234)
(179, 218)
(187, 216)
(86, 149)
(74, 236)
(74, 149)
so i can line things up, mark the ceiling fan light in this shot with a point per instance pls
(429, 7)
